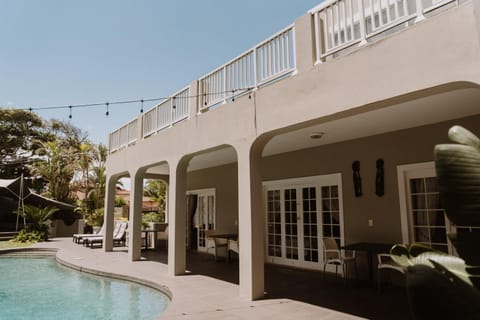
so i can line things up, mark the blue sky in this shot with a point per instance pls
(74, 52)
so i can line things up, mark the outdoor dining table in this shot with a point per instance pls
(228, 236)
(371, 249)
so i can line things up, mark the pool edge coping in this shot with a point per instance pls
(54, 252)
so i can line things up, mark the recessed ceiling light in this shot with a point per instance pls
(316, 135)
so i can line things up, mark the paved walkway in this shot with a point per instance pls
(193, 296)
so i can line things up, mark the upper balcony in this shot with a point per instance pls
(339, 27)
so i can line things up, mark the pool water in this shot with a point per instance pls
(39, 288)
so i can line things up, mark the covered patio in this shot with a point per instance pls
(356, 297)
(209, 289)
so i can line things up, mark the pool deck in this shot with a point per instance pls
(193, 296)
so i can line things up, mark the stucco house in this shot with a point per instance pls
(267, 142)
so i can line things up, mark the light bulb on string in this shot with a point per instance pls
(70, 114)
(173, 103)
(141, 108)
(108, 112)
(233, 95)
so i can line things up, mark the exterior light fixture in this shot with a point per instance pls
(316, 135)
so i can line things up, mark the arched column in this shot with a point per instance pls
(108, 216)
(135, 216)
(177, 209)
(251, 223)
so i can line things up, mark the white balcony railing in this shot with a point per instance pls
(167, 112)
(268, 61)
(342, 23)
(124, 136)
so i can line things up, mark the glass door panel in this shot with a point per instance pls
(291, 224)
(427, 216)
(310, 224)
(274, 224)
(206, 217)
(331, 213)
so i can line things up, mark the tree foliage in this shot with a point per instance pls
(19, 129)
(55, 156)
(157, 191)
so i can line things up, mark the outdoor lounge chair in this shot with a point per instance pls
(118, 236)
(116, 227)
(80, 237)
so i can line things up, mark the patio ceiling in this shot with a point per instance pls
(419, 112)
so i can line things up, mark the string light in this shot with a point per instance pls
(142, 101)
(233, 95)
(173, 103)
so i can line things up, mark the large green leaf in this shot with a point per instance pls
(417, 254)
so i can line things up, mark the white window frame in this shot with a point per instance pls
(402, 173)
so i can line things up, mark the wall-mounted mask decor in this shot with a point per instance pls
(380, 179)
(357, 180)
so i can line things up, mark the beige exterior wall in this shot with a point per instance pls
(397, 148)
(394, 148)
(402, 77)
(224, 180)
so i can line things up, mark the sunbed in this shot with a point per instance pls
(118, 236)
(80, 237)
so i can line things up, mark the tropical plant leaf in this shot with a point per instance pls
(463, 136)
(418, 254)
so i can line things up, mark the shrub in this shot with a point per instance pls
(38, 223)
(31, 236)
(152, 216)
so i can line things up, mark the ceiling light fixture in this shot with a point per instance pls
(316, 135)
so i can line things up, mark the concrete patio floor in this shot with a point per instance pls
(210, 289)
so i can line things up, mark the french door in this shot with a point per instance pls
(299, 213)
(204, 218)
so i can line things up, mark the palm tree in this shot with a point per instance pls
(57, 167)
(86, 156)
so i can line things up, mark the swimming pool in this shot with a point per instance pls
(39, 288)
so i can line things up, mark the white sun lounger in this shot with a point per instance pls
(118, 236)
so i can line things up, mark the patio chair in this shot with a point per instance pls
(333, 255)
(232, 245)
(80, 237)
(215, 243)
(162, 237)
(386, 262)
(118, 236)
